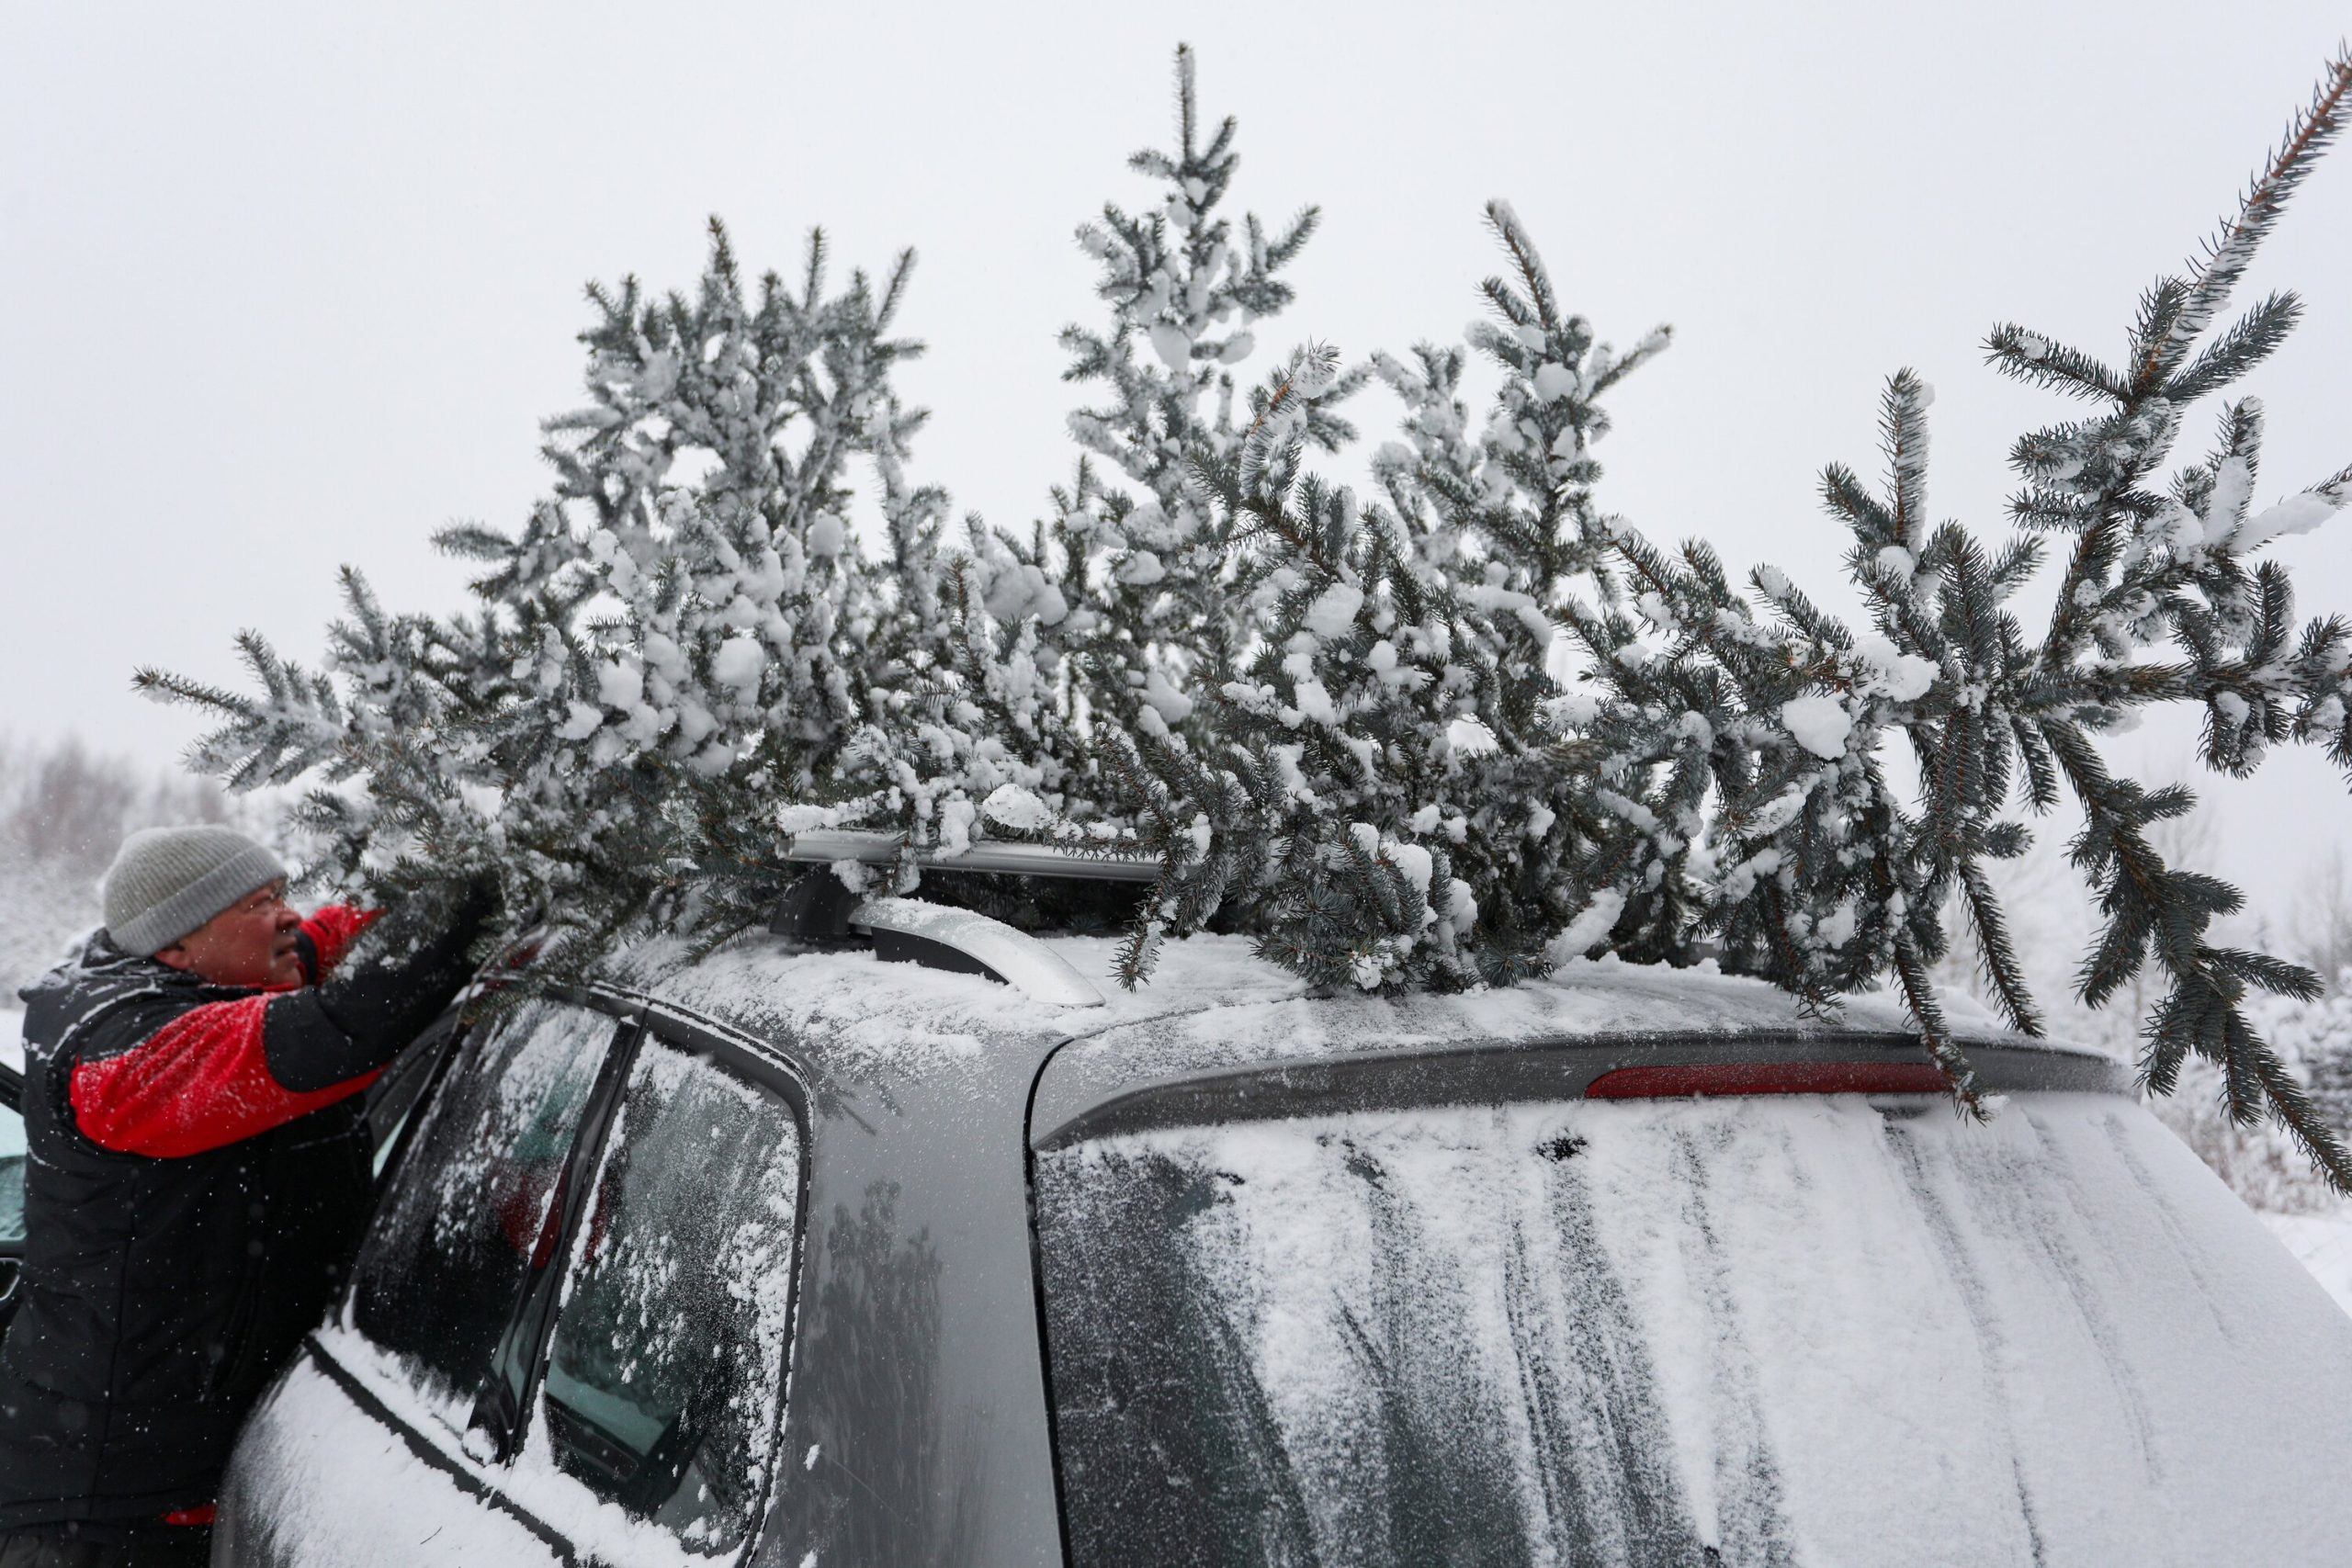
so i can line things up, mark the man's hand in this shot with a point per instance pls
(415, 962)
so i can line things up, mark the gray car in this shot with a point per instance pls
(803, 1255)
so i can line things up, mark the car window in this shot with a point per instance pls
(12, 1180)
(1677, 1331)
(472, 1211)
(393, 1095)
(665, 1365)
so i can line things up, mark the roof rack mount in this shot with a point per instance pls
(826, 847)
(908, 929)
(820, 912)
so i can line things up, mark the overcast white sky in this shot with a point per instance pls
(289, 286)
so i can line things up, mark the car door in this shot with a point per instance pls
(567, 1330)
(377, 1446)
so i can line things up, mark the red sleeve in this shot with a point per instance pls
(330, 931)
(200, 1082)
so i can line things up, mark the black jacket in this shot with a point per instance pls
(161, 1290)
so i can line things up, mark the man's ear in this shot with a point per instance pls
(175, 956)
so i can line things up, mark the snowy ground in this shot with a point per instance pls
(12, 1037)
(2323, 1243)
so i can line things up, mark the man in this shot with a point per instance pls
(198, 1177)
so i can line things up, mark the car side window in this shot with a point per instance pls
(12, 1181)
(393, 1097)
(473, 1209)
(12, 1208)
(665, 1365)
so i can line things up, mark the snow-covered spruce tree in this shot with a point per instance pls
(1116, 612)
(681, 635)
(1332, 720)
(1147, 574)
(1717, 775)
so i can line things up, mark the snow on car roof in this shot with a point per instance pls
(1213, 994)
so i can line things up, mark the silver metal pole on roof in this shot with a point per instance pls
(826, 846)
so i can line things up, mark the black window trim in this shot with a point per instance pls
(444, 1038)
(502, 1406)
(761, 1060)
(1037, 1294)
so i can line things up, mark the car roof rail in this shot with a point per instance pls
(819, 911)
(1004, 857)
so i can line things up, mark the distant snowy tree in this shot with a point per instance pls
(63, 811)
(1331, 717)
(2321, 929)
(2326, 1054)
(2261, 1161)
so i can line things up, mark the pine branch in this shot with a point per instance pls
(1998, 954)
(2029, 356)
(2227, 255)
(1935, 1033)
(2253, 338)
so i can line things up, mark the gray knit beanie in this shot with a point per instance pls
(166, 882)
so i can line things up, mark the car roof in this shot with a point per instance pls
(1211, 1004)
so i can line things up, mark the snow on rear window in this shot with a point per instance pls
(1811, 1330)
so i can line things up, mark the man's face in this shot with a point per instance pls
(251, 942)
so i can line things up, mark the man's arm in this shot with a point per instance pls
(221, 1072)
(201, 1081)
(327, 935)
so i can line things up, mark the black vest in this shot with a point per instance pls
(158, 1295)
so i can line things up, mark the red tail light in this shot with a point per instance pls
(1767, 1077)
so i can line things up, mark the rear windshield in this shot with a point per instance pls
(1793, 1330)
